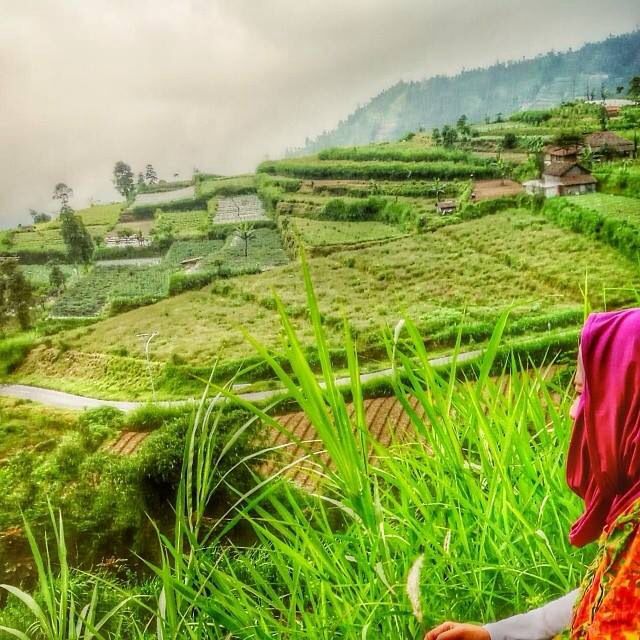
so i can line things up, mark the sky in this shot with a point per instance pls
(220, 85)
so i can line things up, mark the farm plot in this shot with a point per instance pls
(476, 267)
(38, 240)
(237, 185)
(185, 224)
(98, 214)
(123, 228)
(38, 274)
(89, 295)
(264, 249)
(386, 418)
(317, 233)
(184, 250)
(611, 206)
(164, 197)
(233, 210)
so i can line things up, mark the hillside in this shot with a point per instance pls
(538, 83)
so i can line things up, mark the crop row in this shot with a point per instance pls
(395, 153)
(349, 169)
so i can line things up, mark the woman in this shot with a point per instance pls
(603, 468)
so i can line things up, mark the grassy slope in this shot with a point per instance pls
(326, 232)
(513, 258)
(24, 425)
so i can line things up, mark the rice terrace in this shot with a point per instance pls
(327, 394)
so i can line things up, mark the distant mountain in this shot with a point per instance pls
(541, 82)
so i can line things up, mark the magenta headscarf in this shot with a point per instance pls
(603, 465)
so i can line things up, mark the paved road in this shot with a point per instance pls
(62, 400)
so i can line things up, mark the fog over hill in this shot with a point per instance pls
(593, 71)
(220, 84)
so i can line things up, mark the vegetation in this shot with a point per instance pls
(543, 82)
(16, 295)
(379, 504)
(460, 273)
(320, 233)
(310, 168)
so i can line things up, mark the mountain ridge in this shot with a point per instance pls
(505, 87)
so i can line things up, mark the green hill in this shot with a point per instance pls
(538, 83)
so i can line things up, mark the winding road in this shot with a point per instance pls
(63, 400)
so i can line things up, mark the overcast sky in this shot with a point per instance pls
(222, 84)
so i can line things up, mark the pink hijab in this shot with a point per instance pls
(603, 464)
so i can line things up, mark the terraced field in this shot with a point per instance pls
(388, 423)
(318, 233)
(88, 296)
(237, 209)
(612, 206)
(164, 197)
(511, 259)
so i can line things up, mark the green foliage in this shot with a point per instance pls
(16, 294)
(76, 238)
(386, 153)
(227, 187)
(494, 205)
(89, 295)
(534, 117)
(13, 351)
(123, 179)
(611, 219)
(377, 170)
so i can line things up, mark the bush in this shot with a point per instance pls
(37, 256)
(531, 117)
(360, 210)
(13, 351)
(488, 207)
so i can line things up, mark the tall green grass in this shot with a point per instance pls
(476, 488)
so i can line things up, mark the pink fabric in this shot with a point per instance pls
(603, 464)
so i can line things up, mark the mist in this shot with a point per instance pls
(222, 85)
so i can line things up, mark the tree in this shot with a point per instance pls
(123, 179)
(76, 238)
(245, 231)
(141, 182)
(509, 141)
(57, 279)
(436, 137)
(535, 147)
(63, 193)
(603, 118)
(38, 216)
(16, 294)
(449, 136)
(619, 89)
(150, 174)
(438, 189)
(634, 89)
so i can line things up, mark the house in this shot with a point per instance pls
(446, 206)
(562, 179)
(567, 153)
(607, 143)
